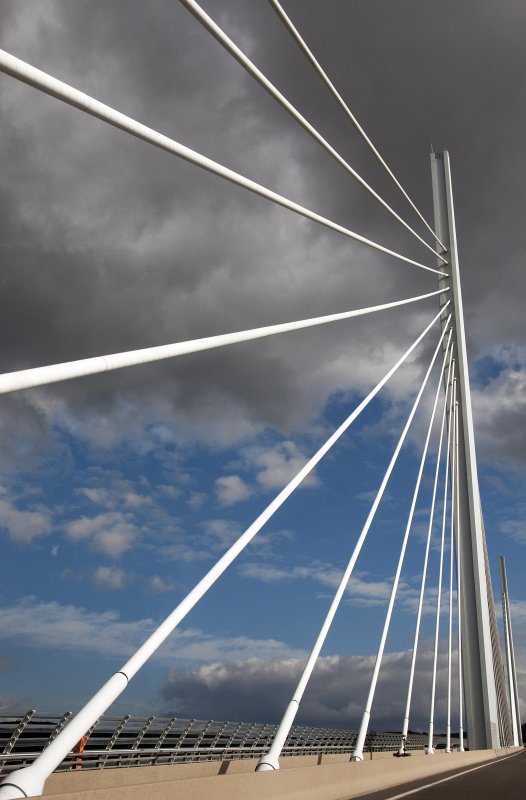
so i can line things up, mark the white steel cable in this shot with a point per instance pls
(459, 615)
(225, 41)
(430, 749)
(364, 725)
(42, 376)
(454, 467)
(62, 91)
(321, 72)
(405, 725)
(30, 781)
(270, 761)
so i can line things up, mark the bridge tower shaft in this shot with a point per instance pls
(478, 639)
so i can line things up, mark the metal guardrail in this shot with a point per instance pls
(136, 741)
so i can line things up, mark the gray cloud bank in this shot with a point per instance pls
(108, 244)
(259, 689)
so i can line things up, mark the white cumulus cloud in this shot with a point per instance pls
(231, 489)
(23, 525)
(112, 533)
(158, 584)
(109, 578)
(275, 467)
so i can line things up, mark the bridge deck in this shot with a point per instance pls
(499, 779)
(308, 777)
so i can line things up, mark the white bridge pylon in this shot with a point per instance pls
(488, 717)
(478, 656)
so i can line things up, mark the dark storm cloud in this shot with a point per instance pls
(109, 244)
(260, 689)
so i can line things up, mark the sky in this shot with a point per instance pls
(118, 492)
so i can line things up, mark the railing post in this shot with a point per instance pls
(477, 655)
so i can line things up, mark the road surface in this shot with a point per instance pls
(502, 779)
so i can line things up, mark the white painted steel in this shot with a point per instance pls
(430, 749)
(62, 91)
(225, 41)
(36, 775)
(454, 468)
(271, 759)
(41, 376)
(479, 679)
(405, 725)
(364, 725)
(510, 660)
(513, 666)
(459, 589)
(325, 78)
(29, 781)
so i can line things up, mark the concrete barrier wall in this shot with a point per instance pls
(329, 777)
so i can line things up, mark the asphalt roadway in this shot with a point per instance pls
(501, 779)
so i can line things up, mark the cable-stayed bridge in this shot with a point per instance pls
(486, 700)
